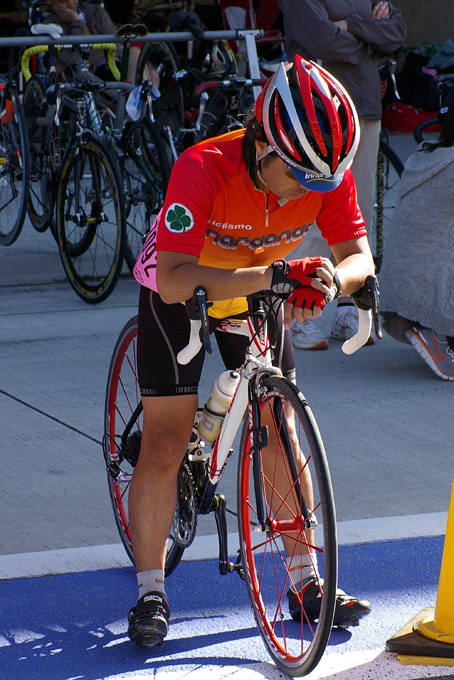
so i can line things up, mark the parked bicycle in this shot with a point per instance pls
(202, 94)
(14, 164)
(74, 174)
(136, 148)
(277, 521)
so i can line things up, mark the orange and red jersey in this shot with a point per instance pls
(213, 210)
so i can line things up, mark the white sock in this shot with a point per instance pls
(151, 580)
(302, 568)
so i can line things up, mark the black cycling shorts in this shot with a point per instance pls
(164, 331)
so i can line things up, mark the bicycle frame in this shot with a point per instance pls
(258, 358)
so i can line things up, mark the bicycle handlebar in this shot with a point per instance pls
(111, 49)
(366, 300)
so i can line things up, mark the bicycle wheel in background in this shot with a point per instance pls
(91, 220)
(145, 169)
(427, 131)
(389, 170)
(41, 194)
(123, 433)
(14, 166)
(291, 510)
(169, 108)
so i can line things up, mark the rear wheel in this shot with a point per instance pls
(146, 174)
(169, 108)
(288, 477)
(122, 438)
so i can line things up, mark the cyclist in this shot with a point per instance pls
(235, 205)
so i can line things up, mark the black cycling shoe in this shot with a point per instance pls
(149, 620)
(348, 610)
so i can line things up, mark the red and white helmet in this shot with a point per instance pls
(310, 121)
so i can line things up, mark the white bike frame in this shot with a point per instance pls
(258, 356)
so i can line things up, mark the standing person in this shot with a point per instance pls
(235, 205)
(418, 270)
(346, 35)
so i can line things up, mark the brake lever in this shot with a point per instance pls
(368, 297)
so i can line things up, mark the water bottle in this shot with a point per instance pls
(217, 405)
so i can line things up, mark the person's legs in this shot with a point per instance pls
(152, 495)
(364, 167)
(169, 398)
(303, 564)
(152, 500)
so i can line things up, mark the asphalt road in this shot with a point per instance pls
(387, 424)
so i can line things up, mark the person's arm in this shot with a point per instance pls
(308, 23)
(385, 30)
(68, 18)
(178, 274)
(354, 263)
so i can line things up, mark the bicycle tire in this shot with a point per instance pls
(168, 110)
(146, 172)
(14, 167)
(296, 648)
(90, 220)
(121, 407)
(389, 170)
(41, 194)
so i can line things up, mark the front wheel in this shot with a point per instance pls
(389, 170)
(14, 167)
(41, 194)
(122, 439)
(287, 523)
(91, 220)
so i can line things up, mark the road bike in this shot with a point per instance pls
(136, 148)
(202, 94)
(285, 500)
(74, 177)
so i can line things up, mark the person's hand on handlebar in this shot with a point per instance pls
(308, 283)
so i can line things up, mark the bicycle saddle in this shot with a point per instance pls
(52, 30)
(132, 30)
(186, 21)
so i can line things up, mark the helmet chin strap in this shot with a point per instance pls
(258, 159)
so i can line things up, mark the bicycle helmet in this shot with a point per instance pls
(220, 60)
(311, 122)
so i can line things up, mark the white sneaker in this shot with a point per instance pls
(345, 324)
(306, 335)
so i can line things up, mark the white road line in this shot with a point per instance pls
(92, 558)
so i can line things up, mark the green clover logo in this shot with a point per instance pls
(179, 219)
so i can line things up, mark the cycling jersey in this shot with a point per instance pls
(214, 210)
